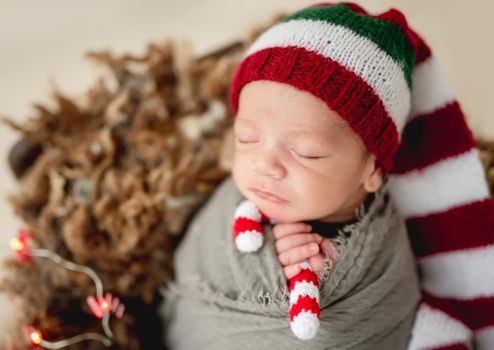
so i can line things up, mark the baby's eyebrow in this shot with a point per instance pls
(245, 120)
(319, 139)
(334, 132)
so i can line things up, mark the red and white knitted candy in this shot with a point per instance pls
(304, 303)
(247, 230)
(304, 287)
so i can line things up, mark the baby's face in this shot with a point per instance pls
(289, 143)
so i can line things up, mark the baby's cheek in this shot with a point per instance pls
(237, 178)
(241, 178)
(236, 165)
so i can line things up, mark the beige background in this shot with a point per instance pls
(44, 40)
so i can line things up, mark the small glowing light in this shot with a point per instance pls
(25, 235)
(107, 303)
(94, 306)
(17, 245)
(20, 244)
(35, 336)
(104, 305)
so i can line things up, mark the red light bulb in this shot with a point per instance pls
(34, 336)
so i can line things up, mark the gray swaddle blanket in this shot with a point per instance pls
(224, 299)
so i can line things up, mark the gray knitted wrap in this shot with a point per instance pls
(224, 299)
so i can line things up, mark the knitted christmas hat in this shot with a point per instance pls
(359, 65)
(381, 77)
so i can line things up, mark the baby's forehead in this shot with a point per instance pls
(300, 126)
(286, 108)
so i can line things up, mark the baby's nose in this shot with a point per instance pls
(268, 164)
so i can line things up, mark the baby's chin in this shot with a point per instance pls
(280, 213)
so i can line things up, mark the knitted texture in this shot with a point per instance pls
(304, 287)
(314, 50)
(382, 78)
(223, 299)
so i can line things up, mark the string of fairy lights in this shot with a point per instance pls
(103, 305)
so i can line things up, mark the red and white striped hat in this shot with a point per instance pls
(381, 77)
(362, 66)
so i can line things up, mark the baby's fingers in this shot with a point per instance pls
(296, 240)
(328, 247)
(317, 262)
(298, 254)
(282, 230)
(292, 271)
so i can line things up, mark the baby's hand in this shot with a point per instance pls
(294, 243)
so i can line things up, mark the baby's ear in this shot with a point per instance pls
(373, 176)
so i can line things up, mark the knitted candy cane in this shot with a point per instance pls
(304, 287)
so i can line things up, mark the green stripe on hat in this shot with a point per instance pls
(388, 36)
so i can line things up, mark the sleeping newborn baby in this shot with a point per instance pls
(300, 164)
(312, 147)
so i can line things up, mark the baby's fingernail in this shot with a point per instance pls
(309, 227)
